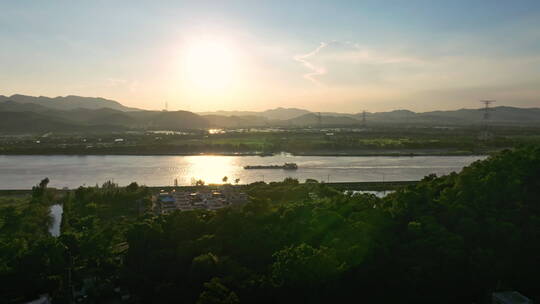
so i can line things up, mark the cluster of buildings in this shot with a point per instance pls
(204, 198)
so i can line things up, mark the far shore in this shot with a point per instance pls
(360, 153)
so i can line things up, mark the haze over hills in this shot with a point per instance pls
(29, 114)
(69, 102)
(273, 114)
(294, 116)
(20, 113)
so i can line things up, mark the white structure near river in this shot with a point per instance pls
(56, 213)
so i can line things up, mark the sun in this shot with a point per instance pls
(210, 65)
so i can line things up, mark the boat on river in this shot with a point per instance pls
(285, 166)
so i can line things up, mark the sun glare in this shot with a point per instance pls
(212, 168)
(210, 65)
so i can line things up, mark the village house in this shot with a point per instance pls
(204, 199)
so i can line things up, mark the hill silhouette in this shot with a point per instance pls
(71, 113)
(69, 102)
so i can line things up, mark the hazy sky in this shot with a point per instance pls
(252, 55)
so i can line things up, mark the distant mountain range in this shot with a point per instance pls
(293, 116)
(20, 114)
(73, 113)
(68, 102)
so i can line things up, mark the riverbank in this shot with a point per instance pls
(398, 153)
(377, 152)
(360, 186)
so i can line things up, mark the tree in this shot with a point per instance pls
(132, 187)
(44, 182)
(203, 267)
(224, 179)
(39, 190)
(217, 293)
(290, 181)
(236, 181)
(304, 265)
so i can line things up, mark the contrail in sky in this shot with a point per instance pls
(315, 70)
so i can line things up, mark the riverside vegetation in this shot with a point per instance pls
(341, 141)
(449, 239)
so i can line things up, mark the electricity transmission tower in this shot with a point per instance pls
(485, 132)
(364, 118)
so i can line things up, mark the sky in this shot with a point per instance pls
(341, 56)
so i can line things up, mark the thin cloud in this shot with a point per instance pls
(357, 59)
(131, 85)
(113, 82)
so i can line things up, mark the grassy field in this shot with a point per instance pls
(377, 141)
(19, 201)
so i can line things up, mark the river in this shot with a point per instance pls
(22, 171)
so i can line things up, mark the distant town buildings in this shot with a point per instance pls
(205, 198)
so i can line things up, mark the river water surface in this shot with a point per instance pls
(22, 172)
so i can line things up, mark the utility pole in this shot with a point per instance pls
(485, 133)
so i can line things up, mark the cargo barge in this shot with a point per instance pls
(286, 166)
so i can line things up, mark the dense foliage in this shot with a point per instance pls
(450, 239)
(30, 259)
(94, 220)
